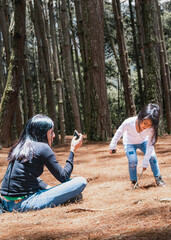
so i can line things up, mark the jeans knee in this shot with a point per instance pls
(81, 181)
(153, 159)
(133, 164)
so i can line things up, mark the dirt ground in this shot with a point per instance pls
(110, 209)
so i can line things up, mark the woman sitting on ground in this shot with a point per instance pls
(22, 189)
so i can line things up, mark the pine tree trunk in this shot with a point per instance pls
(151, 45)
(68, 65)
(41, 62)
(28, 86)
(19, 124)
(5, 31)
(94, 37)
(113, 45)
(80, 88)
(57, 77)
(9, 99)
(80, 8)
(68, 113)
(1, 70)
(141, 41)
(90, 107)
(165, 74)
(125, 77)
(135, 47)
(46, 53)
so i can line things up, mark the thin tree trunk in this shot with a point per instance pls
(141, 41)
(19, 124)
(46, 53)
(80, 32)
(25, 103)
(28, 86)
(165, 74)
(83, 23)
(1, 69)
(125, 77)
(41, 62)
(5, 31)
(112, 45)
(68, 65)
(57, 77)
(136, 54)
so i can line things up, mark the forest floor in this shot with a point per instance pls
(110, 209)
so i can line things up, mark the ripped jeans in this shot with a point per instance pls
(130, 150)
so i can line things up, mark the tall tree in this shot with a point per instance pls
(165, 73)
(68, 65)
(9, 99)
(136, 52)
(57, 77)
(46, 53)
(154, 58)
(95, 60)
(5, 31)
(125, 76)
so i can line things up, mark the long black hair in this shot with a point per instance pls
(152, 112)
(35, 131)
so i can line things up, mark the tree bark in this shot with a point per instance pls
(68, 65)
(125, 77)
(46, 54)
(95, 59)
(5, 31)
(1, 70)
(135, 47)
(141, 41)
(57, 77)
(165, 74)
(41, 62)
(28, 86)
(151, 45)
(9, 99)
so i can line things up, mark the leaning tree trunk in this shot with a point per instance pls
(9, 99)
(68, 65)
(125, 77)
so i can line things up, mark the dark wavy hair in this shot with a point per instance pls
(152, 112)
(35, 131)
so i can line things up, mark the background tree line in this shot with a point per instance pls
(88, 64)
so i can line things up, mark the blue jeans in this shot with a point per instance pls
(130, 150)
(48, 198)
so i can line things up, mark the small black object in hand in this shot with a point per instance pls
(76, 134)
(113, 151)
